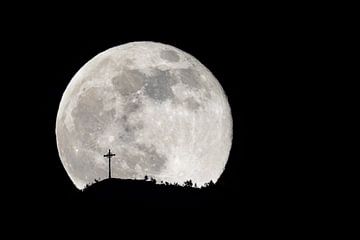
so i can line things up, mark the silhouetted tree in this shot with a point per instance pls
(188, 183)
(146, 178)
(209, 184)
(152, 180)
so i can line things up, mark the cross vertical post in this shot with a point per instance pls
(109, 155)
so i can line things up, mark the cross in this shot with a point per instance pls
(109, 155)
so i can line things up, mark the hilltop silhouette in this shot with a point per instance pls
(147, 194)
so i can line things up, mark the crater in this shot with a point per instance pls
(169, 55)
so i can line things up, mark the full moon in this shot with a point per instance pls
(161, 111)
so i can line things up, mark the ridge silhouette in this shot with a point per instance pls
(146, 193)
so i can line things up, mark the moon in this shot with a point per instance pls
(160, 110)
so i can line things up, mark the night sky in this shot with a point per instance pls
(256, 55)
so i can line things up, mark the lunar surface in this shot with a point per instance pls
(156, 107)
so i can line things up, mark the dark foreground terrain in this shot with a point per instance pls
(147, 194)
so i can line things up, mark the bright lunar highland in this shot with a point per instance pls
(156, 107)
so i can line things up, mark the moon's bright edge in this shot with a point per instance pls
(156, 107)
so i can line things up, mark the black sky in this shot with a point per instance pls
(257, 55)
